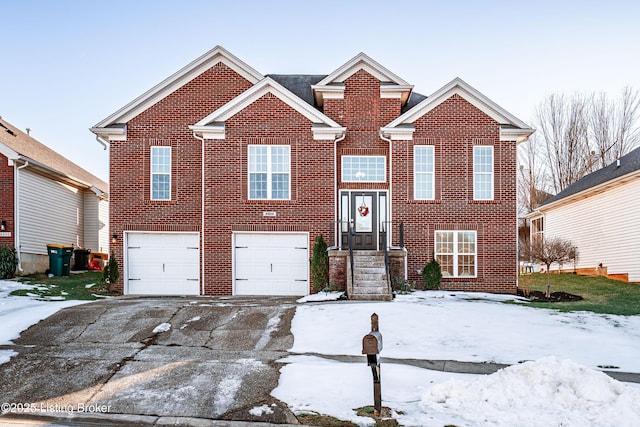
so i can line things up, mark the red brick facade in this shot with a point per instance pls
(453, 127)
(6, 201)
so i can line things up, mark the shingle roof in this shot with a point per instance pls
(414, 100)
(299, 84)
(628, 164)
(31, 149)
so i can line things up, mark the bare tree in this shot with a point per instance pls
(563, 125)
(627, 129)
(583, 133)
(553, 250)
(532, 179)
(613, 126)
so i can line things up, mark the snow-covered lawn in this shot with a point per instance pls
(18, 313)
(559, 386)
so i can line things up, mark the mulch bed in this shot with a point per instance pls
(540, 296)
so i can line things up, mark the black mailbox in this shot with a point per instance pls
(372, 343)
(372, 346)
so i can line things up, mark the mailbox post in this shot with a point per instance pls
(371, 346)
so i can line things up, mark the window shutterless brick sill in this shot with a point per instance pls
(484, 202)
(425, 202)
(161, 202)
(268, 201)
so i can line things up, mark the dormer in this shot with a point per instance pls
(332, 86)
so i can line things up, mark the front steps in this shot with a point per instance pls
(369, 277)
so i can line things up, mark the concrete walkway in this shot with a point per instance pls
(165, 361)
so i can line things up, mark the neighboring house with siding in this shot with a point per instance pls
(45, 198)
(600, 214)
(222, 177)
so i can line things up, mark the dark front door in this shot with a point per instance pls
(364, 219)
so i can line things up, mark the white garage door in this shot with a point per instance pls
(271, 264)
(163, 264)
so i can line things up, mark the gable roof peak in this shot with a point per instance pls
(359, 62)
(213, 125)
(332, 86)
(176, 81)
(511, 127)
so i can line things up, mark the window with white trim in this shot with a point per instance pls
(423, 172)
(483, 172)
(161, 173)
(537, 231)
(364, 169)
(456, 253)
(269, 172)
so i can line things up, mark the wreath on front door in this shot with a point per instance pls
(363, 210)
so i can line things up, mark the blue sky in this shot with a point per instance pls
(66, 65)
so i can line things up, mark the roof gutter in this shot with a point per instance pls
(61, 175)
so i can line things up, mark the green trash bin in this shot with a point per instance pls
(59, 259)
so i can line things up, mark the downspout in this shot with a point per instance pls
(390, 209)
(202, 214)
(102, 142)
(16, 221)
(338, 227)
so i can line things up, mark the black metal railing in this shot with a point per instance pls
(397, 237)
(339, 229)
(385, 251)
(335, 239)
(350, 239)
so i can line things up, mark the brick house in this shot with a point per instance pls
(221, 178)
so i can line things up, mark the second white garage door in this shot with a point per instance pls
(271, 263)
(163, 263)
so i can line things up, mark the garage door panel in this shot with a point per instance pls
(271, 264)
(163, 264)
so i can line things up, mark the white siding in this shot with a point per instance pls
(96, 222)
(91, 221)
(604, 227)
(103, 220)
(50, 212)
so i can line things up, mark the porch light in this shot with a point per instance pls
(3, 225)
(114, 239)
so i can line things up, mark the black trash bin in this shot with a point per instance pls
(59, 259)
(81, 259)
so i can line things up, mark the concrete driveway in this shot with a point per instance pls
(162, 361)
